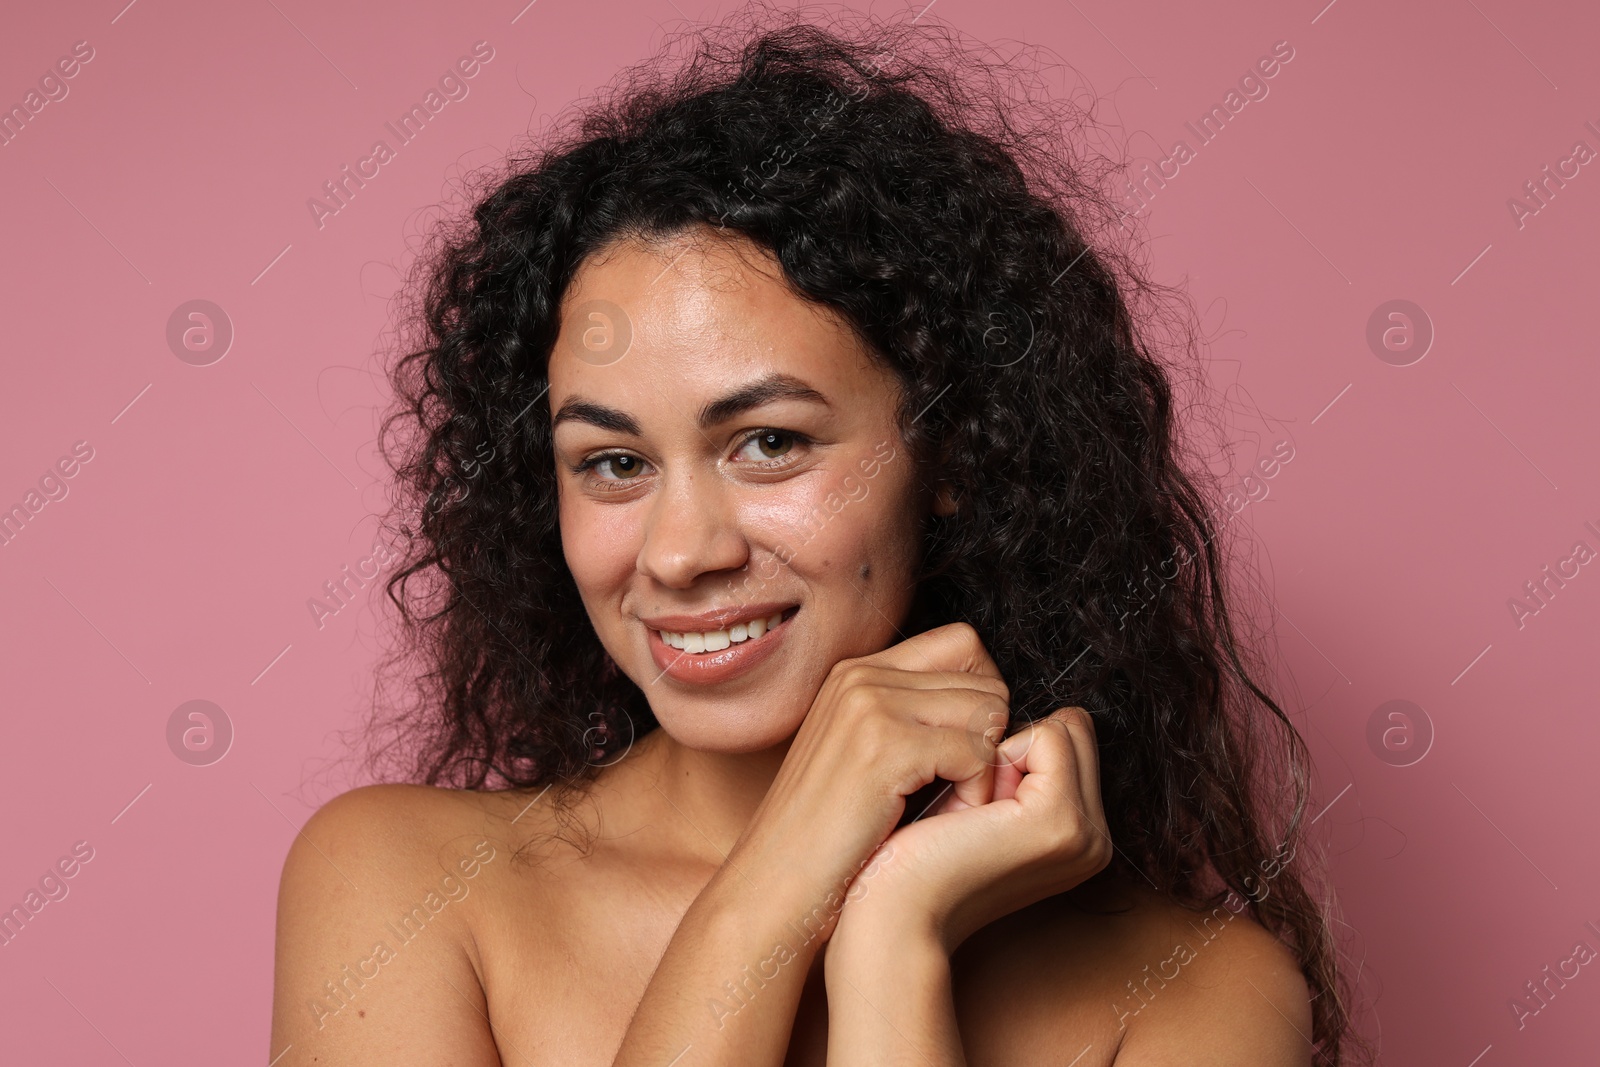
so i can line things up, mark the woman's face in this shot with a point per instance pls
(742, 463)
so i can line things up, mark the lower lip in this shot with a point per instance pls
(708, 668)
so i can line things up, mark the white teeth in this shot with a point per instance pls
(717, 640)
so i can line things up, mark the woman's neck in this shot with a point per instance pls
(709, 796)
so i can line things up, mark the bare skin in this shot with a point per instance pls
(746, 885)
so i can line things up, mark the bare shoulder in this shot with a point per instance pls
(1129, 976)
(380, 845)
(392, 825)
(375, 959)
(1209, 987)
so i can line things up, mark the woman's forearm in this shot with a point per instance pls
(889, 999)
(727, 988)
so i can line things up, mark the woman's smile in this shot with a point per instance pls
(708, 657)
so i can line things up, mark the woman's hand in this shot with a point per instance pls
(947, 874)
(964, 865)
(880, 728)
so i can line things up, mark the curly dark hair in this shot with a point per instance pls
(890, 172)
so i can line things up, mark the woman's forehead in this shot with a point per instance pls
(697, 313)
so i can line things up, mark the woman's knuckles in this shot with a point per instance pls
(1083, 845)
(878, 739)
(1058, 828)
(1100, 854)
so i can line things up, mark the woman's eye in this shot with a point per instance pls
(620, 464)
(770, 444)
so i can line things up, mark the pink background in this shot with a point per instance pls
(220, 498)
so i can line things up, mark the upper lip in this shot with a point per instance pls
(716, 619)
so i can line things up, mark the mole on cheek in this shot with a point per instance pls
(866, 569)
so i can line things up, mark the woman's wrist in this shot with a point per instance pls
(786, 913)
(730, 979)
(874, 935)
(889, 994)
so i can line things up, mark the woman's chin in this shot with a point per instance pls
(727, 734)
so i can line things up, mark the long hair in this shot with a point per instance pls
(890, 172)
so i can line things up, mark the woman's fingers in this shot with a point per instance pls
(957, 760)
(1061, 777)
(866, 672)
(952, 648)
(1007, 776)
(881, 728)
(1073, 737)
(1043, 753)
(1080, 725)
(1072, 731)
(918, 729)
(1043, 834)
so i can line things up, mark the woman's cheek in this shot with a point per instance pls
(813, 527)
(861, 529)
(598, 542)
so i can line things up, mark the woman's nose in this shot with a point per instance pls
(692, 529)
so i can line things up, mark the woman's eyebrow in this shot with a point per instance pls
(766, 390)
(577, 409)
(761, 391)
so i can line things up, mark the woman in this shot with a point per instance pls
(824, 657)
